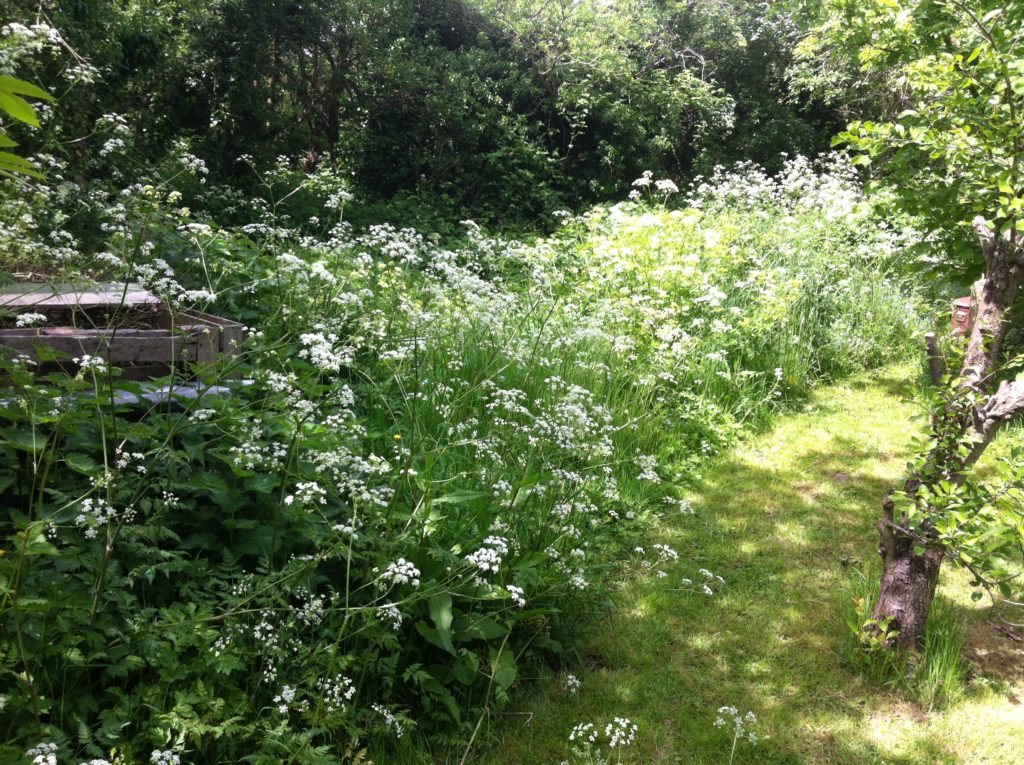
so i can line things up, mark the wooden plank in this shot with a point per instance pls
(185, 336)
(76, 332)
(230, 334)
(23, 297)
(116, 350)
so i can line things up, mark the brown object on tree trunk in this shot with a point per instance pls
(963, 316)
(911, 558)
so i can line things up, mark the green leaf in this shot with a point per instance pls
(434, 637)
(486, 628)
(503, 667)
(262, 483)
(22, 88)
(23, 440)
(459, 496)
(12, 164)
(466, 667)
(18, 108)
(82, 463)
(441, 614)
(531, 560)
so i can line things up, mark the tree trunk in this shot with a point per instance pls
(909, 578)
(908, 589)
(911, 554)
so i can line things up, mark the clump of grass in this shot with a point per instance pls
(941, 679)
(936, 678)
(864, 639)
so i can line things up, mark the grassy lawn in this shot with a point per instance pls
(786, 520)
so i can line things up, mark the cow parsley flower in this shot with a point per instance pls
(337, 692)
(518, 595)
(29, 319)
(43, 754)
(390, 613)
(620, 732)
(489, 557)
(389, 719)
(644, 180)
(400, 572)
(284, 699)
(89, 363)
(583, 732)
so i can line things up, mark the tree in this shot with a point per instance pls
(953, 157)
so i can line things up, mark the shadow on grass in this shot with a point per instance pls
(781, 521)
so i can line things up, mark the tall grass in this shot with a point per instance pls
(936, 677)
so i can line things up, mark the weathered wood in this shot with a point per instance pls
(42, 297)
(994, 295)
(229, 333)
(114, 348)
(76, 332)
(166, 338)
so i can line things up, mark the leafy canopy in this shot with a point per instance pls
(953, 71)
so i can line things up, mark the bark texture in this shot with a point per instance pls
(911, 558)
(909, 580)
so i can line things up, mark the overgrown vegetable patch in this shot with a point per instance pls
(406, 493)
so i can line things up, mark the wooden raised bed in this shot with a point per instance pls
(127, 326)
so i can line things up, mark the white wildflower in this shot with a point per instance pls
(400, 572)
(30, 319)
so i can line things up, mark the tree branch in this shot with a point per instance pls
(1002, 406)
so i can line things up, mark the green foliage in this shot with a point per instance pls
(404, 497)
(951, 148)
(937, 678)
(14, 105)
(506, 111)
(975, 512)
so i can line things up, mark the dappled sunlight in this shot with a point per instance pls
(784, 521)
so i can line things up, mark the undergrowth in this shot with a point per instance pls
(936, 676)
(407, 489)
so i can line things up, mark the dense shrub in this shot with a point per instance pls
(406, 491)
(503, 110)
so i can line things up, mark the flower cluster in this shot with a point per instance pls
(400, 572)
(488, 558)
(740, 724)
(619, 733)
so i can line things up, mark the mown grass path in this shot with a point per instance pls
(784, 520)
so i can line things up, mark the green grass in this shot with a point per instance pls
(786, 520)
